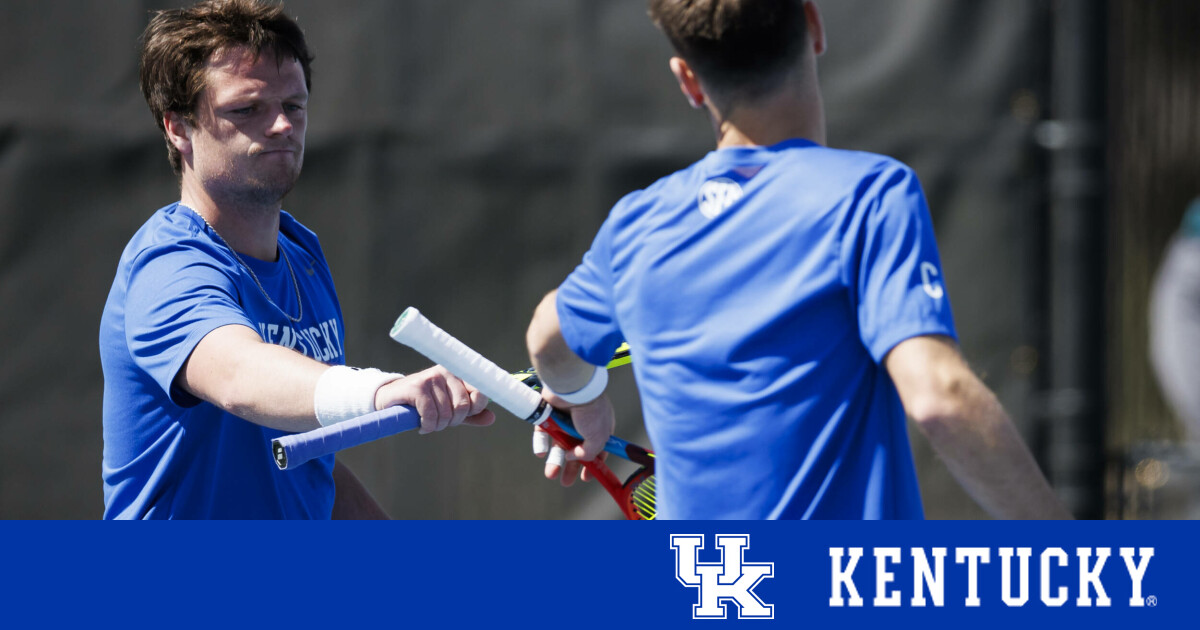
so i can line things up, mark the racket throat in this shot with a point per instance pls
(539, 415)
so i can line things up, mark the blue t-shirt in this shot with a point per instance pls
(759, 290)
(168, 454)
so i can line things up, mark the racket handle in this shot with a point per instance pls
(416, 331)
(615, 445)
(293, 450)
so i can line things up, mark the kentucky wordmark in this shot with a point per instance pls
(929, 576)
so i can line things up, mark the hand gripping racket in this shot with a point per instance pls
(638, 491)
(635, 497)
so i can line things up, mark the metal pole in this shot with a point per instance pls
(1075, 138)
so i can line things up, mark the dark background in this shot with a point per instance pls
(461, 155)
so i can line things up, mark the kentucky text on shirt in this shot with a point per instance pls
(321, 342)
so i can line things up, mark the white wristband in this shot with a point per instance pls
(345, 392)
(587, 393)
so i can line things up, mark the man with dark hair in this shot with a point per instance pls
(222, 329)
(784, 306)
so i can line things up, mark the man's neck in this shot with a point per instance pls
(785, 115)
(249, 229)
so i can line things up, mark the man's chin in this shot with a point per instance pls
(279, 184)
(268, 193)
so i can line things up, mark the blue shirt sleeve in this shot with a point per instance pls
(585, 306)
(890, 263)
(176, 295)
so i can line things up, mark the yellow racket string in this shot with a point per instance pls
(643, 498)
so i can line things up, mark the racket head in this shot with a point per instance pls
(639, 491)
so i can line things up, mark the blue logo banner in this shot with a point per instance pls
(661, 574)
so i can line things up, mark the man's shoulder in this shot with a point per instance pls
(816, 160)
(848, 174)
(852, 162)
(172, 236)
(169, 226)
(817, 165)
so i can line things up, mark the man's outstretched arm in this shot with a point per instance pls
(234, 369)
(969, 430)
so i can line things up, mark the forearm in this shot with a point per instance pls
(985, 453)
(557, 365)
(352, 500)
(561, 370)
(266, 384)
(969, 430)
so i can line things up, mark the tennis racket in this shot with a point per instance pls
(635, 496)
(291, 451)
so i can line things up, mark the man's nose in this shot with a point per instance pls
(280, 125)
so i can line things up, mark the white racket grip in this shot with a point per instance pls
(416, 331)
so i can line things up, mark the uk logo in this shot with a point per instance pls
(730, 581)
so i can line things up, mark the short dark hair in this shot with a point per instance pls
(178, 43)
(738, 48)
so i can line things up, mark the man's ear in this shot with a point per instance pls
(816, 27)
(688, 83)
(179, 132)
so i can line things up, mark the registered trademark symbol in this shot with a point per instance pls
(1152, 601)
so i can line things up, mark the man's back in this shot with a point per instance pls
(785, 304)
(759, 289)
